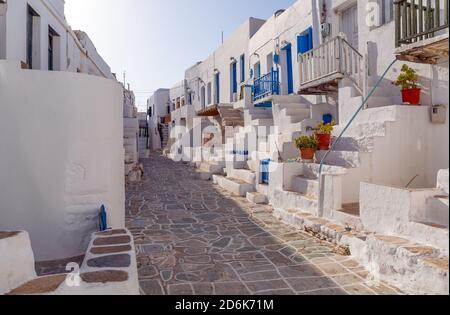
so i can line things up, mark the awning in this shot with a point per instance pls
(210, 111)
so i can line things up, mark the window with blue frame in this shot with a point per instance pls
(305, 41)
(257, 70)
(242, 64)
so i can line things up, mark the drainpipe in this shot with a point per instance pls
(335, 143)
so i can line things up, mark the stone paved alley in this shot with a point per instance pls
(193, 238)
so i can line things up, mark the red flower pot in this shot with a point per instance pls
(324, 141)
(307, 154)
(411, 96)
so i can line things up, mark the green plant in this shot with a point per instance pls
(306, 142)
(407, 78)
(325, 129)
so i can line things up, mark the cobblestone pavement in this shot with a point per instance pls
(193, 238)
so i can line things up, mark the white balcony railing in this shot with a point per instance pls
(333, 60)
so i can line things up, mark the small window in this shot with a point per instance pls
(386, 11)
(52, 49)
(32, 35)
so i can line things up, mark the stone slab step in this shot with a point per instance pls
(306, 186)
(295, 200)
(235, 186)
(263, 122)
(296, 111)
(412, 267)
(321, 228)
(244, 175)
(347, 159)
(437, 210)
(257, 198)
(430, 234)
(212, 168)
(202, 175)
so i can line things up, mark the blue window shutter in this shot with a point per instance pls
(310, 38)
(302, 43)
(305, 41)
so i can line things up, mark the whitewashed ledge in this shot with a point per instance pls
(109, 268)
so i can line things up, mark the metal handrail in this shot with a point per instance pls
(336, 142)
(266, 85)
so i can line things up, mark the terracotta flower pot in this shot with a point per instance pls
(324, 141)
(411, 96)
(307, 154)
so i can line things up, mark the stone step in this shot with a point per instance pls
(412, 267)
(244, 175)
(295, 200)
(347, 159)
(437, 210)
(202, 175)
(294, 119)
(352, 144)
(257, 198)
(234, 186)
(296, 111)
(304, 185)
(430, 234)
(212, 168)
(262, 122)
(311, 170)
(348, 219)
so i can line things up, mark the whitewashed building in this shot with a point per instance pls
(61, 131)
(159, 108)
(384, 184)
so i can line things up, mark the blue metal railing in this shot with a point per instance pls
(267, 85)
(338, 139)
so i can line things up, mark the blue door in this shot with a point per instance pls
(217, 82)
(242, 62)
(234, 77)
(289, 69)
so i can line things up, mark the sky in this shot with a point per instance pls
(155, 41)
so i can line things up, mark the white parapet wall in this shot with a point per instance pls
(61, 138)
(16, 260)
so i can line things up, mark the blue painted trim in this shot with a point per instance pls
(264, 105)
(290, 70)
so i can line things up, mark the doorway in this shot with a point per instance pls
(349, 25)
(287, 69)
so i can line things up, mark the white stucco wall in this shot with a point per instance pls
(73, 55)
(234, 46)
(62, 157)
(16, 262)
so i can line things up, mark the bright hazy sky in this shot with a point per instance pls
(154, 41)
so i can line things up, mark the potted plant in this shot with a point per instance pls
(323, 134)
(408, 79)
(307, 146)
